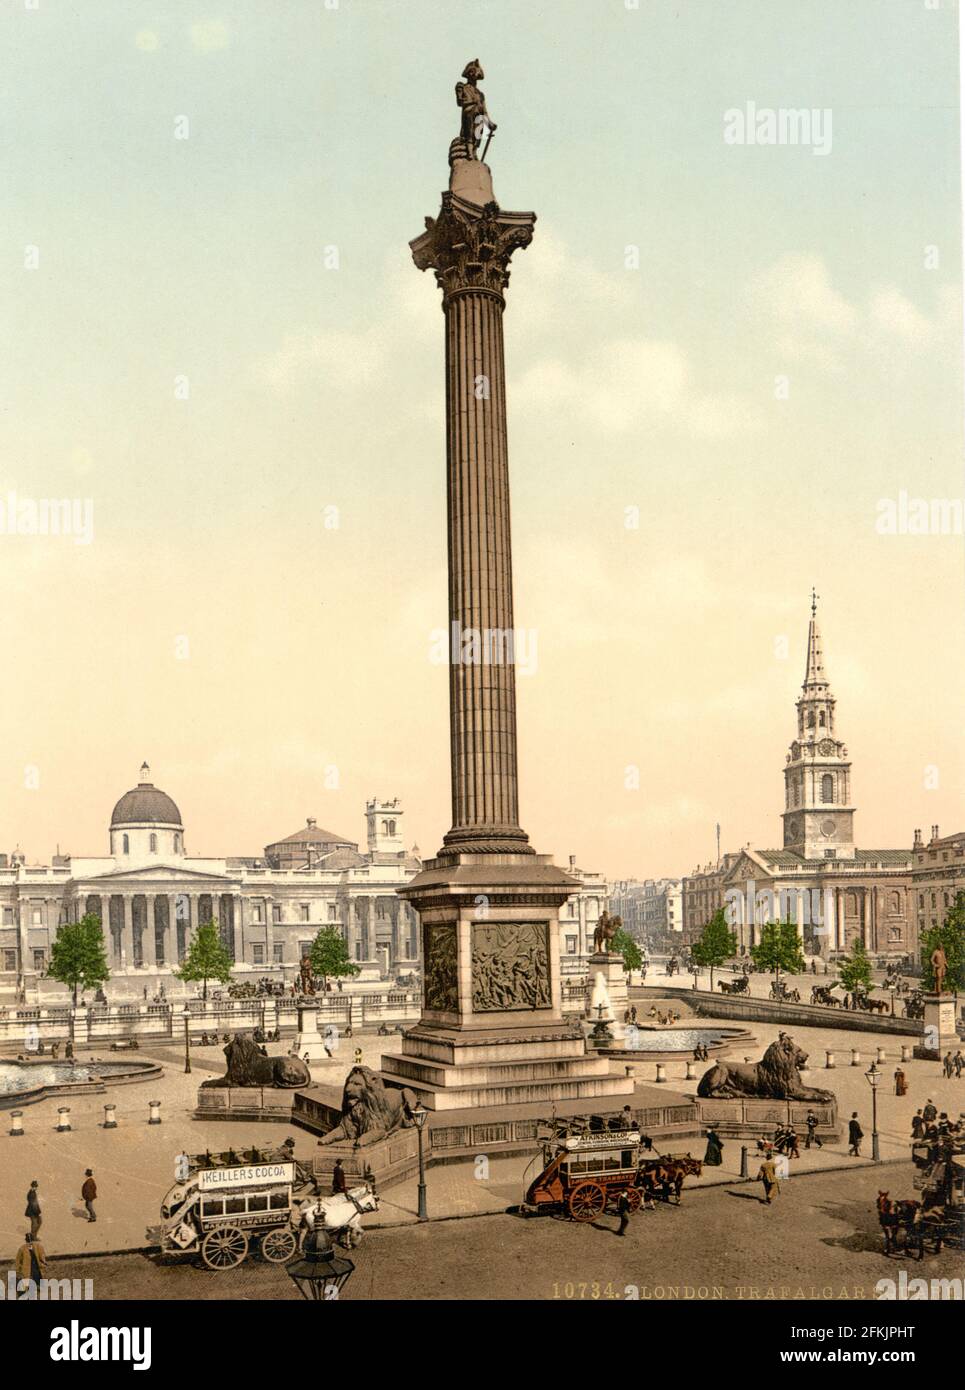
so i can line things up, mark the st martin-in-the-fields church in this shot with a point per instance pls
(836, 892)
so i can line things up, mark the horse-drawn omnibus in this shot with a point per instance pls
(586, 1169)
(222, 1202)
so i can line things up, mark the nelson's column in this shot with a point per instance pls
(492, 1030)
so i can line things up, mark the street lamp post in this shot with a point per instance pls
(873, 1076)
(420, 1114)
(187, 1040)
(320, 1274)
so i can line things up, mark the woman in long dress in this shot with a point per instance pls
(901, 1085)
(714, 1156)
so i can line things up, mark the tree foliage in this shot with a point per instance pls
(854, 970)
(624, 944)
(207, 958)
(77, 957)
(329, 955)
(779, 949)
(716, 944)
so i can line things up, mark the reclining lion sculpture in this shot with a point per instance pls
(248, 1066)
(777, 1076)
(370, 1109)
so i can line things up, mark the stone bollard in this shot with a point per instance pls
(16, 1124)
(154, 1118)
(661, 1072)
(855, 1057)
(905, 1052)
(830, 1059)
(691, 1074)
(881, 1055)
(63, 1119)
(743, 1171)
(110, 1116)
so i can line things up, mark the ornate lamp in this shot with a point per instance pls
(320, 1274)
(419, 1115)
(873, 1077)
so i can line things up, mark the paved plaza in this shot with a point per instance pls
(134, 1164)
(819, 1240)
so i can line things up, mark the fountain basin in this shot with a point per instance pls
(23, 1083)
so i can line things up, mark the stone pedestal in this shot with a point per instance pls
(608, 991)
(939, 1035)
(309, 1044)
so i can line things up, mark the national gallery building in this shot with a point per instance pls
(151, 896)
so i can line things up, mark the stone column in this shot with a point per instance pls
(236, 923)
(171, 938)
(269, 933)
(469, 247)
(149, 939)
(867, 933)
(127, 933)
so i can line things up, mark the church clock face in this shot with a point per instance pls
(826, 747)
(794, 828)
(827, 828)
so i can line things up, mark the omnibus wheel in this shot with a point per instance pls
(224, 1248)
(586, 1201)
(277, 1247)
(633, 1198)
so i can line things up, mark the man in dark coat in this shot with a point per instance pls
(89, 1194)
(623, 1211)
(714, 1156)
(338, 1178)
(917, 1125)
(811, 1121)
(855, 1136)
(33, 1212)
(930, 1112)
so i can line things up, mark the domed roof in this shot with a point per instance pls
(145, 802)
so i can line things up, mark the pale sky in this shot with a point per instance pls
(220, 628)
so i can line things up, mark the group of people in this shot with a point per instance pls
(671, 1016)
(30, 1261)
(928, 1125)
(954, 1064)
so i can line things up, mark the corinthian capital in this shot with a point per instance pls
(469, 247)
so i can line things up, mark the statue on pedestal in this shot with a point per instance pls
(249, 1066)
(370, 1109)
(939, 964)
(606, 929)
(776, 1077)
(475, 118)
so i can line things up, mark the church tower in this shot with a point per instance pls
(818, 816)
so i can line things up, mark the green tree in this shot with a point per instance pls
(854, 971)
(951, 937)
(207, 958)
(716, 944)
(77, 957)
(329, 955)
(779, 949)
(623, 944)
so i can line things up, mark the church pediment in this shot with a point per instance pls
(748, 866)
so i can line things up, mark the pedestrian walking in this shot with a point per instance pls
(947, 1064)
(338, 1178)
(31, 1260)
(623, 1211)
(917, 1125)
(811, 1122)
(855, 1136)
(930, 1112)
(33, 1212)
(901, 1082)
(959, 1063)
(714, 1156)
(88, 1194)
(768, 1176)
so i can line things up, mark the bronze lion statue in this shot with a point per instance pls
(777, 1076)
(248, 1066)
(370, 1109)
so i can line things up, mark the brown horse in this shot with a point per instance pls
(895, 1217)
(666, 1175)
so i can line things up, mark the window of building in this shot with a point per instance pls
(258, 912)
(571, 945)
(830, 853)
(305, 912)
(278, 950)
(153, 843)
(9, 960)
(827, 787)
(276, 914)
(8, 916)
(258, 953)
(37, 916)
(126, 845)
(333, 912)
(177, 843)
(39, 960)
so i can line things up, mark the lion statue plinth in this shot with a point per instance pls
(370, 1109)
(248, 1066)
(777, 1076)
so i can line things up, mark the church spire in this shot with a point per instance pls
(814, 672)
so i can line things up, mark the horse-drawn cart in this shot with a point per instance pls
(586, 1170)
(222, 1203)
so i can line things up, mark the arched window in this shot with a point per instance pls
(821, 718)
(810, 718)
(391, 827)
(153, 843)
(827, 787)
(385, 827)
(177, 843)
(126, 845)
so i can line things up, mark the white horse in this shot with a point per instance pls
(340, 1215)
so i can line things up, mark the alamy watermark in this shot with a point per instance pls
(486, 646)
(809, 907)
(920, 516)
(782, 125)
(47, 516)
